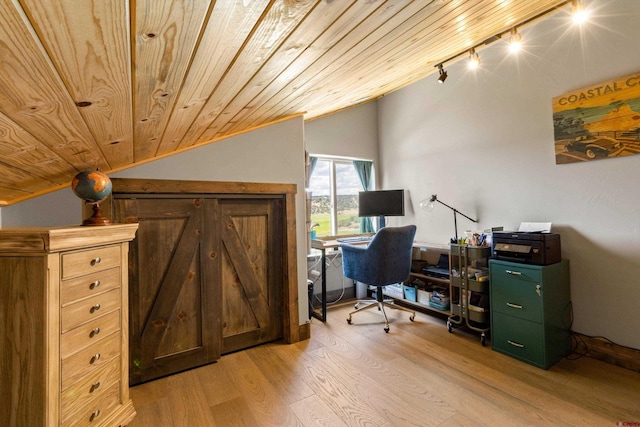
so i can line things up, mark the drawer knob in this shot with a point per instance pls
(94, 285)
(95, 358)
(518, 306)
(95, 308)
(94, 332)
(515, 344)
(514, 273)
(96, 261)
(95, 414)
(94, 386)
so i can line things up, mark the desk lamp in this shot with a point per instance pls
(428, 204)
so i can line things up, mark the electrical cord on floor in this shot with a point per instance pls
(332, 261)
(579, 347)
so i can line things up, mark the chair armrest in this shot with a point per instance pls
(354, 249)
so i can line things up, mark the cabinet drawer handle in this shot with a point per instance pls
(94, 386)
(95, 414)
(95, 308)
(515, 273)
(94, 332)
(96, 261)
(94, 285)
(519, 307)
(515, 344)
(95, 358)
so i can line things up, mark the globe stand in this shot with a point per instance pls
(96, 218)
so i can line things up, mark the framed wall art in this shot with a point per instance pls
(598, 122)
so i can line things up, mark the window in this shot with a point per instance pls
(334, 186)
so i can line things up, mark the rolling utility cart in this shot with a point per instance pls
(469, 293)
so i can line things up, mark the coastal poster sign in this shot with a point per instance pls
(598, 122)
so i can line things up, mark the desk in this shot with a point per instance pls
(331, 242)
(322, 244)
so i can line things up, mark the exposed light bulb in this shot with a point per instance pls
(474, 60)
(515, 42)
(580, 15)
(428, 204)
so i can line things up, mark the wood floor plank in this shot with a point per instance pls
(418, 374)
(313, 412)
(217, 385)
(234, 412)
(285, 377)
(265, 403)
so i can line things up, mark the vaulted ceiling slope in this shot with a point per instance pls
(110, 84)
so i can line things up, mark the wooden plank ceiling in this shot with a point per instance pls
(111, 84)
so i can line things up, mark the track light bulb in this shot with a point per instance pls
(443, 74)
(580, 15)
(515, 41)
(474, 60)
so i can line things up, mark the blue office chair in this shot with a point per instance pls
(385, 261)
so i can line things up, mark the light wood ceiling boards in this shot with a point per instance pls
(111, 84)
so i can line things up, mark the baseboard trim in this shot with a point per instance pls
(305, 331)
(606, 351)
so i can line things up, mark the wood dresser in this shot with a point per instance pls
(64, 326)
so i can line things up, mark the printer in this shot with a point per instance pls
(526, 247)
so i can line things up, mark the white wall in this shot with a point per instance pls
(273, 154)
(484, 143)
(350, 133)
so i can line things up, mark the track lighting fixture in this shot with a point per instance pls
(515, 41)
(474, 59)
(580, 14)
(443, 74)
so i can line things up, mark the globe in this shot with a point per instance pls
(91, 186)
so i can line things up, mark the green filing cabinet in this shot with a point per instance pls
(530, 311)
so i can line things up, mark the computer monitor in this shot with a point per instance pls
(381, 203)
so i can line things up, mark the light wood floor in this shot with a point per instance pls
(416, 375)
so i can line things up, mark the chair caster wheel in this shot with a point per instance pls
(412, 317)
(483, 340)
(449, 327)
(386, 329)
(355, 306)
(349, 320)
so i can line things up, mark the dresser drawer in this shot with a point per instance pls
(85, 310)
(519, 338)
(84, 262)
(89, 360)
(84, 335)
(95, 410)
(82, 287)
(78, 396)
(512, 271)
(517, 298)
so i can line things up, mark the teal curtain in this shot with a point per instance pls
(312, 165)
(363, 169)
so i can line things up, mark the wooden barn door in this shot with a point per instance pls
(252, 256)
(174, 264)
